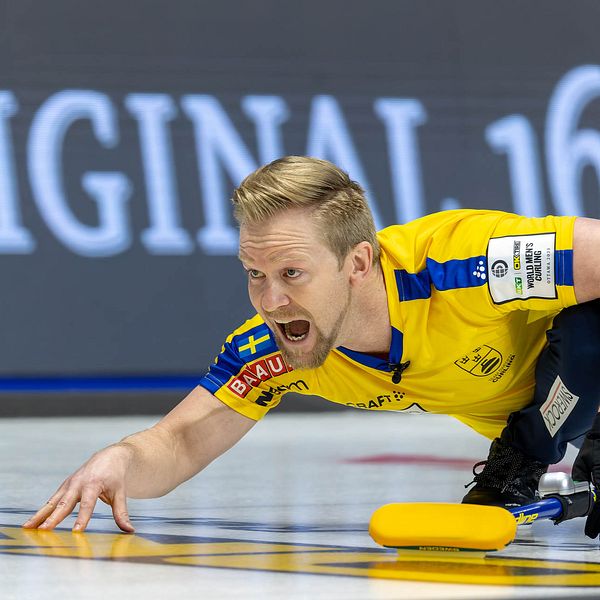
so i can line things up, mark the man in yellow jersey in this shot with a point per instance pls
(490, 317)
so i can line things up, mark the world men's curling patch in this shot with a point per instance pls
(521, 267)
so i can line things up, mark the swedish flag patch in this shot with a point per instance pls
(256, 342)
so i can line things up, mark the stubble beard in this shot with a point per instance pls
(324, 344)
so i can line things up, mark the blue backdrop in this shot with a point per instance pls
(125, 126)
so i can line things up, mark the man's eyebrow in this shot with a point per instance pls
(243, 257)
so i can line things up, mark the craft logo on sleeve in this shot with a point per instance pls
(522, 267)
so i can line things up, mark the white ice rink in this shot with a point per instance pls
(283, 514)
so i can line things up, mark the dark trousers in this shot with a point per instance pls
(567, 391)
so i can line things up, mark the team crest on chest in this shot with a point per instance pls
(481, 361)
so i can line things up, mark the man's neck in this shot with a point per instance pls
(369, 327)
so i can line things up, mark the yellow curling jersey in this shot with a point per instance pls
(470, 293)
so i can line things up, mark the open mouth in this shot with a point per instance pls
(294, 331)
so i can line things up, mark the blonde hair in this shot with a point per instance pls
(338, 204)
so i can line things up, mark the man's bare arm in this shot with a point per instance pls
(586, 259)
(149, 463)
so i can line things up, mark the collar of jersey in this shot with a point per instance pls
(374, 362)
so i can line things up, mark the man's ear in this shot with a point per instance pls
(361, 262)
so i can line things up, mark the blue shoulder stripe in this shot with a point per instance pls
(563, 267)
(450, 275)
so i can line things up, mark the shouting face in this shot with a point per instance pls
(296, 285)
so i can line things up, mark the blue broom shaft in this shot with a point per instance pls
(547, 508)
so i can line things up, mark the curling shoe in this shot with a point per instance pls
(509, 478)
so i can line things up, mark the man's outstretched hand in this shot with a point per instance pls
(102, 476)
(587, 468)
(147, 464)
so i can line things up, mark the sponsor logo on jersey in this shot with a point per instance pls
(558, 406)
(267, 396)
(499, 268)
(481, 361)
(519, 286)
(517, 255)
(257, 372)
(382, 400)
(479, 271)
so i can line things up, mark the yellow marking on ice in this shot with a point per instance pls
(297, 558)
(64, 543)
(492, 571)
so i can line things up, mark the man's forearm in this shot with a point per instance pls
(152, 463)
(190, 437)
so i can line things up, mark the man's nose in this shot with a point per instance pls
(273, 297)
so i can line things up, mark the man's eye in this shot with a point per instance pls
(292, 273)
(254, 274)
